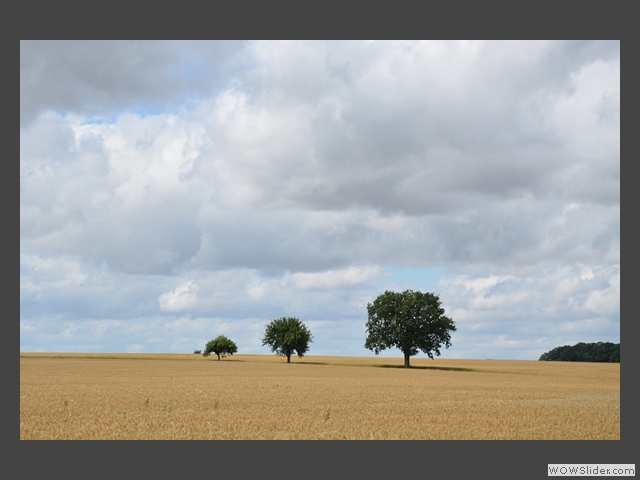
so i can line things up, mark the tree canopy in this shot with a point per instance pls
(221, 346)
(584, 352)
(410, 321)
(287, 335)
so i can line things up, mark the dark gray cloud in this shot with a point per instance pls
(101, 78)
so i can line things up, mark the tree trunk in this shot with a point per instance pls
(289, 358)
(406, 361)
(218, 356)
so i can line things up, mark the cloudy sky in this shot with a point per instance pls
(174, 191)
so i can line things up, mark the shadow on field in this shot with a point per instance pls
(412, 367)
(215, 360)
(425, 367)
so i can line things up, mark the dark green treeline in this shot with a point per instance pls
(585, 352)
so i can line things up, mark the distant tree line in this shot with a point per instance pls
(585, 352)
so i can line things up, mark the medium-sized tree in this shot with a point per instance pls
(221, 346)
(410, 321)
(287, 335)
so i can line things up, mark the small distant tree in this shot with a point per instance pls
(221, 346)
(287, 335)
(410, 321)
(197, 352)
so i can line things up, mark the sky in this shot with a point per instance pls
(171, 192)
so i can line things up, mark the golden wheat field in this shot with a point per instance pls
(122, 396)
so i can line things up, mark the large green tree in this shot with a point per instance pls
(287, 335)
(221, 346)
(410, 321)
